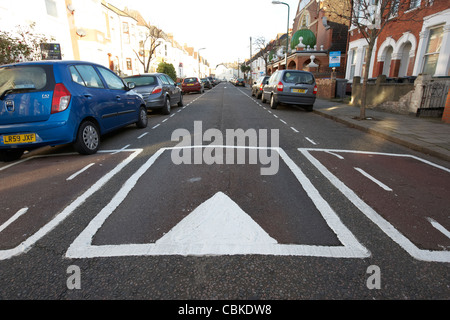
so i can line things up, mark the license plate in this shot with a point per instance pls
(299, 90)
(190, 84)
(19, 138)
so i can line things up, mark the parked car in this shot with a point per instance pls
(49, 103)
(213, 81)
(192, 84)
(239, 82)
(207, 83)
(158, 90)
(258, 85)
(292, 87)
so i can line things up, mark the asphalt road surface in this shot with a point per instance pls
(227, 199)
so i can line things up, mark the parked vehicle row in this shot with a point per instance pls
(48, 103)
(238, 82)
(292, 87)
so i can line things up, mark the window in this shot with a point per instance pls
(129, 64)
(394, 9)
(352, 63)
(50, 5)
(126, 32)
(31, 78)
(143, 81)
(298, 77)
(414, 4)
(164, 79)
(304, 20)
(433, 49)
(86, 76)
(112, 80)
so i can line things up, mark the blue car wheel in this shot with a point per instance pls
(88, 138)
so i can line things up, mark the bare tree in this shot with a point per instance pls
(147, 47)
(370, 17)
(262, 46)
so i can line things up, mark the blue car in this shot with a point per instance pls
(50, 103)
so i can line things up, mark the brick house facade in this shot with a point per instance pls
(416, 42)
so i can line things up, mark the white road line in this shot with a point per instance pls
(165, 120)
(283, 121)
(79, 172)
(383, 224)
(439, 227)
(145, 133)
(28, 243)
(156, 126)
(13, 218)
(310, 140)
(378, 182)
(82, 246)
(295, 130)
(120, 150)
(335, 154)
(275, 116)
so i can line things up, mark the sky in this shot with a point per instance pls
(223, 27)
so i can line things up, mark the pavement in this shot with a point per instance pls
(427, 135)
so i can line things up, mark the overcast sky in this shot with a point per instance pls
(223, 27)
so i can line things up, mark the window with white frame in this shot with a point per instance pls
(432, 50)
(352, 63)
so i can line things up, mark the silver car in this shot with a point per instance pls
(158, 90)
(293, 87)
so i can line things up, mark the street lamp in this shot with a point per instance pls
(198, 51)
(287, 32)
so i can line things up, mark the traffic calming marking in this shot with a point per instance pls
(217, 227)
(61, 216)
(369, 212)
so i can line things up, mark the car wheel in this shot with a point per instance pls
(88, 138)
(143, 119)
(273, 102)
(166, 108)
(263, 99)
(309, 108)
(180, 103)
(11, 154)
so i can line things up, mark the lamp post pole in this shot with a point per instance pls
(287, 31)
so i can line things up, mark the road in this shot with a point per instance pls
(302, 208)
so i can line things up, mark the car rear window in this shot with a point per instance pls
(190, 80)
(26, 79)
(298, 77)
(142, 80)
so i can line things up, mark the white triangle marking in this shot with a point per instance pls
(218, 220)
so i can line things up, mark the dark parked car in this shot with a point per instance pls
(258, 85)
(49, 103)
(239, 82)
(213, 81)
(192, 84)
(207, 83)
(158, 90)
(292, 87)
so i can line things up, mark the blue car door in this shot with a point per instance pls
(97, 100)
(127, 102)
